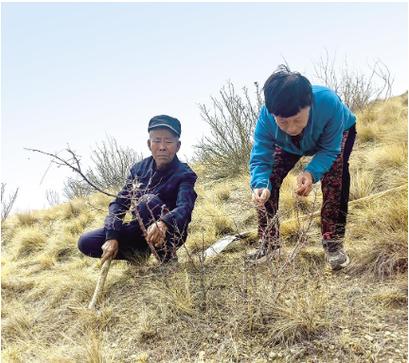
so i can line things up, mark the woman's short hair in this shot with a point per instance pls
(286, 92)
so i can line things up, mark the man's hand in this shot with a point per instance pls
(260, 196)
(304, 184)
(156, 233)
(110, 249)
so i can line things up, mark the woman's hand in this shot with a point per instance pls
(260, 196)
(304, 184)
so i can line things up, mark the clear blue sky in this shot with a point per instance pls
(74, 72)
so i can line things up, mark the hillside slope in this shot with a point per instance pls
(223, 310)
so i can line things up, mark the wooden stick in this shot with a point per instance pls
(100, 283)
(377, 195)
(351, 203)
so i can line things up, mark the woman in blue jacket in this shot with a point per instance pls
(300, 119)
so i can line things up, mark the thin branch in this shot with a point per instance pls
(76, 167)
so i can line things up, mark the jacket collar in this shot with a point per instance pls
(170, 166)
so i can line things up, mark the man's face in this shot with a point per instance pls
(294, 125)
(163, 145)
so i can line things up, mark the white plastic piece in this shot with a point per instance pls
(222, 244)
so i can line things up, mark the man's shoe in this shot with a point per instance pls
(337, 259)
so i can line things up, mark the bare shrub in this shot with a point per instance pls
(53, 197)
(76, 188)
(7, 202)
(110, 166)
(355, 87)
(232, 118)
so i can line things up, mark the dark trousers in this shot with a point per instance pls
(335, 189)
(132, 243)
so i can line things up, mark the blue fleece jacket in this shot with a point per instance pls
(322, 137)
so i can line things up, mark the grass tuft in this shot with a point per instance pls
(18, 324)
(392, 297)
(362, 184)
(28, 241)
(384, 228)
(388, 156)
(94, 350)
(26, 219)
(299, 316)
(77, 225)
(71, 209)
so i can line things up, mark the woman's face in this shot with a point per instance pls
(294, 125)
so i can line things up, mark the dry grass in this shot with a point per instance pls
(392, 297)
(299, 317)
(61, 246)
(26, 219)
(382, 228)
(388, 157)
(13, 285)
(223, 195)
(77, 225)
(28, 241)
(18, 323)
(210, 220)
(94, 352)
(362, 184)
(369, 133)
(71, 209)
(222, 310)
(384, 123)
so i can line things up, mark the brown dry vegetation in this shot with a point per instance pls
(222, 310)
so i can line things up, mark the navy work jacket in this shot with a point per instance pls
(174, 185)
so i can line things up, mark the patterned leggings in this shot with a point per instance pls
(335, 189)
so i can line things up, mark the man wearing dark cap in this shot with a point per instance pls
(159, 193)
